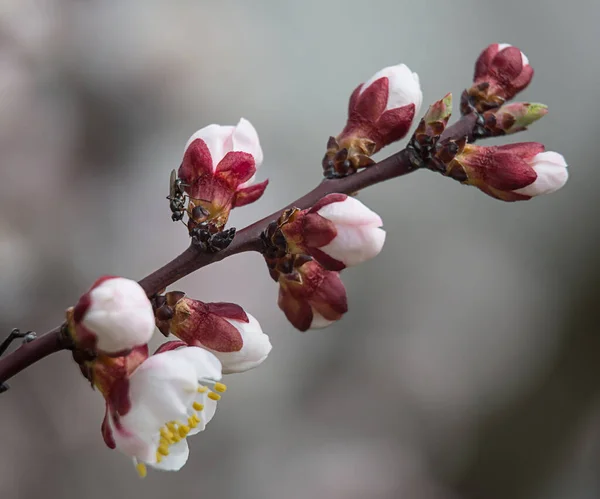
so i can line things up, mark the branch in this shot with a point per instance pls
(247, 239)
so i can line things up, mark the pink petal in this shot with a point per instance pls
(245, 139)
(217, 139)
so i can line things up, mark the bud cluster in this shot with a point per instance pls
(154, 402)
(306, 249)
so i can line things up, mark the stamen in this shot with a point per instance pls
(198, 406)
(158, 457)
(164, 450)
(214, 396)
(166, 434)
(220, 387)
(183, 431)
(192, 422)
(196, 418)
(141, 469)
(202, 389)
(171, 427)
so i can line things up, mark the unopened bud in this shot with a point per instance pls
(113, 317)
(513, 118)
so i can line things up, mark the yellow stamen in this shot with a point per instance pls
(214, 396)
(192, 422)
(220, 387)
(196, 418)
(171, 427)
(202, 389)
(158, 457)
(198, 406)
(141, 469)
(176, 438)
(163, 449)
(183, 431)
(166, 434)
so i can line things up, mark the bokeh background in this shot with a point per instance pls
(468, 365)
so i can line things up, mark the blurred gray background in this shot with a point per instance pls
(468, 365)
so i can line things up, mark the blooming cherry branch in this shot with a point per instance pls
(154, 402)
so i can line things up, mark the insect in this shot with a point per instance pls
(176, 197)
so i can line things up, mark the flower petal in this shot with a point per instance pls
(350, 211)
(178, 456)
(218, 140)
(354, 245)
(248, 195)
(552, 174)
(245, 139)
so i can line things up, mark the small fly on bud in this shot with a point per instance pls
(176, 197)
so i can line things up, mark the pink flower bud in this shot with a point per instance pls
(339, 231)
(505, 68)
(225, 329)
(113, 317)
(312, 297)
(380, 112)
(512, 172)
(218, 170)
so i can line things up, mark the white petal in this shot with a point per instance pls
(502, 46)
(245, 138)
(354, 245)
(552, 174)
(178, 456)
(351, 212)
(210, 407)
(218, 140)
(404, 86)
(206, 365)
(319, 322)
(120, 315)
(256, 347)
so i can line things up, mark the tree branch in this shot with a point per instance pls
(247, 239)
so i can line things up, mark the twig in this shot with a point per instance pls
(247, 239)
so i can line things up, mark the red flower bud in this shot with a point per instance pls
(505, 68)
(218, 171)
(312, 297)
(513, 172)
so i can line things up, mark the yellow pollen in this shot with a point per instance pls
(192, 422)
(176, 438)
(141, 469)
(214, 396)
(171, 427)
(220, 387)
(166, 434)
(196, 418)
(158, 457)
(163, 449)
(197, 406)
(183, 431)
(202, 389)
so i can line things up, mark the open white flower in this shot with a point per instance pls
(172, 395)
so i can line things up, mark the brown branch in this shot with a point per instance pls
(247, 239)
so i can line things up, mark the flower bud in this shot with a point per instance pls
(113, 317)
(501, 72)
(225, 329)
(505, 68)
(511, 172)
(513, 118)
(312, 297)
(338, 231)
(380, 112)
(218, 171)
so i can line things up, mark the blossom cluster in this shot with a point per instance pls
(154, 402)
